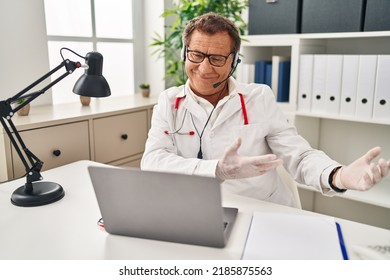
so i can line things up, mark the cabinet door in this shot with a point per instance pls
(120, 136)
(55, 145)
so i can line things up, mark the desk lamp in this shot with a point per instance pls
(36, 192)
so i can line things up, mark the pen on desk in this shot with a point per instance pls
(341, 240)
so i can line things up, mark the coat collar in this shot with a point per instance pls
(234, 104)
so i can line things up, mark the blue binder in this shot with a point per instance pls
(283, 93)
(261, 68)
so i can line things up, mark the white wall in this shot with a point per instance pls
(23, 47)
(153, 23)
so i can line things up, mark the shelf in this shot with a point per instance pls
(56, 114)
(378, 195)
(270, 40)
(289, 38)
(340, 35)
(341, 137)
(341, 118)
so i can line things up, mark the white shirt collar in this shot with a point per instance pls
(205, 103)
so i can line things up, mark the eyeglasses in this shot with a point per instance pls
(214, 59)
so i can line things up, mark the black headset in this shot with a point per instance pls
(235, 61)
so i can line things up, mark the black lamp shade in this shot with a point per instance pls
(92, 83)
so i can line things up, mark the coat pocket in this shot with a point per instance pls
(253, 138)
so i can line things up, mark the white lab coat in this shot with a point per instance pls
(268, 131)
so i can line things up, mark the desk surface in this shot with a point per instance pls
(68, 228)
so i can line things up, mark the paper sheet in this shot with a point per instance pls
(280, 236)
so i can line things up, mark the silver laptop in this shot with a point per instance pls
(162, 206)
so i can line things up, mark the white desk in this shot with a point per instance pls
(68, 228)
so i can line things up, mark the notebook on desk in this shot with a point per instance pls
(294, 236)
(162, 206)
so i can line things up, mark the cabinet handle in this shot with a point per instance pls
(124, 136)
(57, 153)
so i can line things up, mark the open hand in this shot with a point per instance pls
(363, 174)
(234, 166)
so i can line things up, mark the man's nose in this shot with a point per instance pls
(205, 65)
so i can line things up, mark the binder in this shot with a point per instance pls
(349, 85)
(365, 86)
(382, 89)
(260, 71)
(334, 67)
(283, 92)
(276, 59)
(319, 84)
(305, 82)
(246, 73)
(251, 73)
(268, 74)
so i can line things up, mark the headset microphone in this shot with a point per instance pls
(236, 61)
(219, 83)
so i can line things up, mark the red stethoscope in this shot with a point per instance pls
(191, 132)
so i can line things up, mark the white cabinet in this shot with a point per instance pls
(120, 136)
(344, 138)
(54, 145)
(111, 130)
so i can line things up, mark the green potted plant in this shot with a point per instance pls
(145, 89)
(25, 110)
(169, 45)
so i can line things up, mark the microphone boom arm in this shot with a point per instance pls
(230, 74)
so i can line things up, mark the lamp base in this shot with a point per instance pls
(41, 193)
